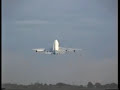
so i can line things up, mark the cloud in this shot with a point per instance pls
(32, 22)
(21, 69)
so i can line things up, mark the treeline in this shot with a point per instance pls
(41, 85)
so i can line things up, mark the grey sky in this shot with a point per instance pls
(86, 24)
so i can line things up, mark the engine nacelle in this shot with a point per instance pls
(74, 50)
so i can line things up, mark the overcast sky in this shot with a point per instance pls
(87, 24)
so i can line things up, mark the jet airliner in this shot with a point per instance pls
(56, 49)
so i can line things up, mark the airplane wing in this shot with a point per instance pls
(62, 50)
(39, 50)
(42, 50)
(67, 50)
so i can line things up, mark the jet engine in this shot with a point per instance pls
(74, 50)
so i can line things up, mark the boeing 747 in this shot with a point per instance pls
(56, 49)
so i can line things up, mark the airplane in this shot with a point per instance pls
(56, 49)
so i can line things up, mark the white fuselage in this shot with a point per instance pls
(55, 46)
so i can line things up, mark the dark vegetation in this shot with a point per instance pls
(60, 86)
